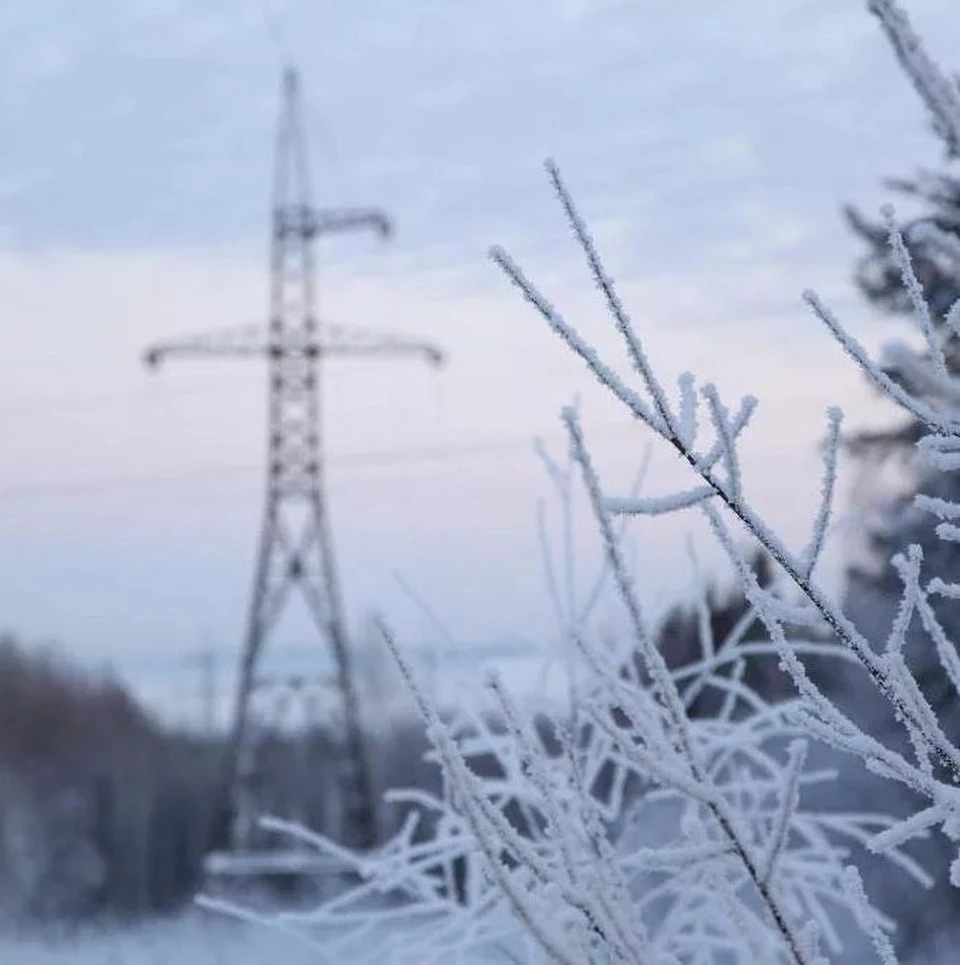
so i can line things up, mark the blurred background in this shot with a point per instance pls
(711, 148)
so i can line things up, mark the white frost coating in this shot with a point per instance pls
(748, 406)
(726, 441)
(619, 314)
(788, 806)
(908, 569)
(828, 485)
(916, 407)
(559, 325)
(687, 422)
(867, 917)
(717, 859)
(948, 532)
(938, 91)
(921, 311)
(658, 505)
(905, 831)
(942, 508)
(717, 850)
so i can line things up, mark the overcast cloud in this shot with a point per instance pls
(710, 146)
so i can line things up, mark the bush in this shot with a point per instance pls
(719, 856)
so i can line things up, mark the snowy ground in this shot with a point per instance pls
(201, 940)
(193, 940)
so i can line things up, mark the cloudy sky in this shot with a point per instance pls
(709, 145)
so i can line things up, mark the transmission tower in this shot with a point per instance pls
(295, 546)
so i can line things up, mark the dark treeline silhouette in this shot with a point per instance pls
(101, 810)
(680, 639)
(105, 812)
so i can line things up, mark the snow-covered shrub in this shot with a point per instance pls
(717, 860)
(716, 857)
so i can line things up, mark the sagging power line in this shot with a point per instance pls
(341, 461)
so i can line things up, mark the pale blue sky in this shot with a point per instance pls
(709, 145)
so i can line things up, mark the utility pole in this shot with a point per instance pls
(295, 545)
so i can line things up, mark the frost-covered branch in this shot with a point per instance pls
(623, 829)
(935, 89)
(630, 832)
(723, 449)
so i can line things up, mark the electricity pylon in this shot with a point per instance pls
(295, 547)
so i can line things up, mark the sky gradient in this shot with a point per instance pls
(708, 145)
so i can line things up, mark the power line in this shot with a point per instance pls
(72, 401)
(343, 460)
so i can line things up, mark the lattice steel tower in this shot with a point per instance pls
(295, 546)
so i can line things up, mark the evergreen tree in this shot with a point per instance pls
(892, 520)
(932, 239)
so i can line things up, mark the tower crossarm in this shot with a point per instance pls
(329, 220)
(344, 340)
(331, 339)
(246, 342)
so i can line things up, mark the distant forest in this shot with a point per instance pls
(105, 812)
